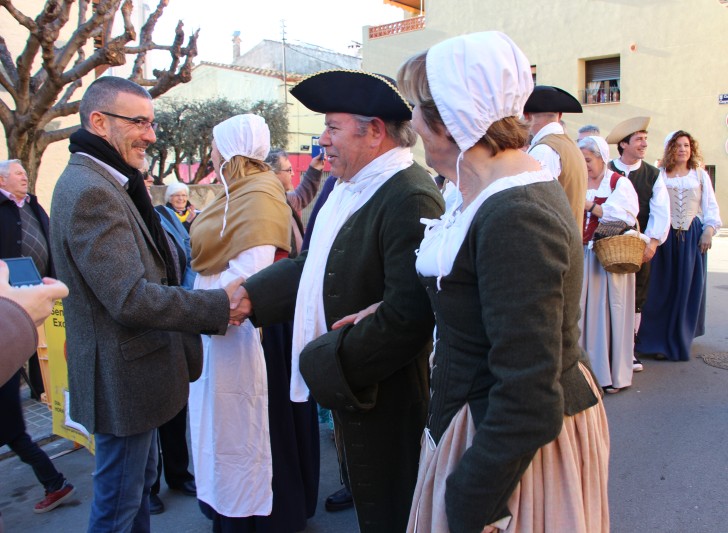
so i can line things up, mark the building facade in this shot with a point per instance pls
(661, 59)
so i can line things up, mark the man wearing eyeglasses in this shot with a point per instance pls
(297, 198)
(132, 332)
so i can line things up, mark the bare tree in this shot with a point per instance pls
(43, 95)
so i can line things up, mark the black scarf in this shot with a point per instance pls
(93, 145)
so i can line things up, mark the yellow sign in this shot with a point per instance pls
(55, 337)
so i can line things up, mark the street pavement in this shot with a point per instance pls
(668, 466)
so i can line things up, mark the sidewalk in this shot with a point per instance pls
(668, 466)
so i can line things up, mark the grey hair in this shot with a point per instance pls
(590, 128)
(401, 131)
(5, 166)
(102, 93)
(274, 158)
(590, 144)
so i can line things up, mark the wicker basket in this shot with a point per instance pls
(620, 254)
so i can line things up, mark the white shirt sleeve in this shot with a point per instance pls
(658, 225)
(622, 204)
(247, 263)
(548, 158)
(708, 203)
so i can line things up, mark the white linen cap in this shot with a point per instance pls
(247, 135)
(669, 138)
(602, 146)
(476, 80)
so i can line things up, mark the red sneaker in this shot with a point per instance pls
(55, 498)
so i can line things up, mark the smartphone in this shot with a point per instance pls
(316, 148)
(23, 272)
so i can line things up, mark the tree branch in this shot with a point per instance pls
(47, 137)
(9, 74)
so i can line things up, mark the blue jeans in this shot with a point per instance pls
(126, 468)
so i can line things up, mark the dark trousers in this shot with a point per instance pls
(36, 377)
(173, 452)
(14, 435)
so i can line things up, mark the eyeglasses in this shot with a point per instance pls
(286, 170)
(141, 123)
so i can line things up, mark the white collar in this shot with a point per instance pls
(549, 129)
(118, 176)
(624, 167)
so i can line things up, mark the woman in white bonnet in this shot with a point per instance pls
(517, 436)
(250, 474)
(607, 299)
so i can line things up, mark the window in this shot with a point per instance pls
(602, 81)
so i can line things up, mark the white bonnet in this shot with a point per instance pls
(174, 188)
(600, 143)
(247, 135)
(669, 138)
(476, 80)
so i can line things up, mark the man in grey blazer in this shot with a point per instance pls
(133, 339)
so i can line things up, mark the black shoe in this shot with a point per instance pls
(188, 488)
(339, 501)
(155, 504)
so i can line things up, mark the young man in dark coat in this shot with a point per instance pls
(372, 374)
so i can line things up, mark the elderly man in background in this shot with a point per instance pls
(553, 148)
(630, 136)
(24, 232)
(132, 333)
(588, 131)
(299, 197)
(372, 373)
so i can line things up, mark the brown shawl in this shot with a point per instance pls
(257, 215)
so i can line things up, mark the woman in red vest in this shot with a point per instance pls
(607, 299)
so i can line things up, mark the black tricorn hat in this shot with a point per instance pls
(548, 99)
(353, 91)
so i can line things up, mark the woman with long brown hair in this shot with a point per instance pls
(674, 313)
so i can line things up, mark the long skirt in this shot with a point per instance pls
(294, 439)
(607, 322)
(674, 313)
(563, 489)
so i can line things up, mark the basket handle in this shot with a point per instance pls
(637, 222)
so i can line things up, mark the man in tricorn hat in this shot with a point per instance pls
(630, 136)
(552, 147)
(372, 371)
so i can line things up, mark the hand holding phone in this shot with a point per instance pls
(37, 300)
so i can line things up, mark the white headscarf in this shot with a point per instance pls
(476, 80)
(246, 135)
(602, 146)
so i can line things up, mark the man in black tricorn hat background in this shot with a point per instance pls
(553, 148)
(370, 369)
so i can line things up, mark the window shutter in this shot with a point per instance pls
(602, 69)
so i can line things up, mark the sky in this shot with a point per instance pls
(332, 24)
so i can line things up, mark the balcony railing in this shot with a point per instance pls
(600, 93)
(395, 28)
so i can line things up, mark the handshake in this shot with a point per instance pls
(240, 305)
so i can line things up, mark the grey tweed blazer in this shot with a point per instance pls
(126, 331)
